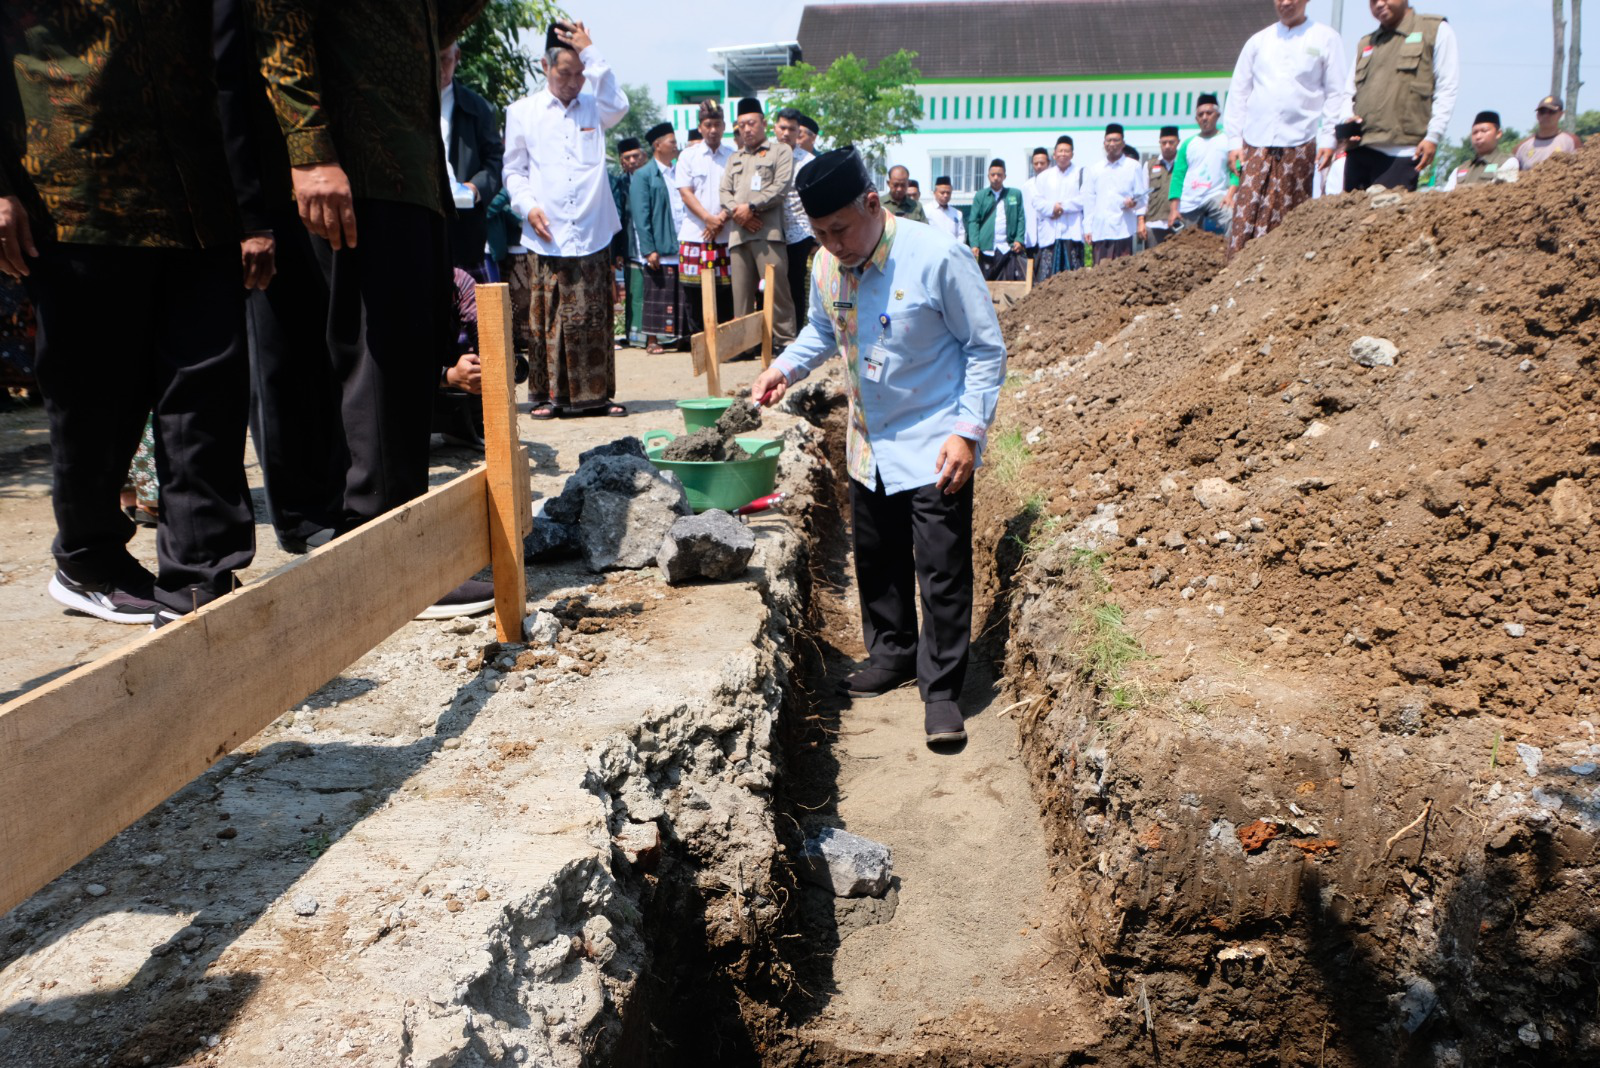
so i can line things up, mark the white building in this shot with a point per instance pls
(1001, 77)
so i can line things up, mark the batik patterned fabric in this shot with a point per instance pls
(17, 331)
(694, 257)
(1275, 181)
(142, 478)
(519, 279)
(117, 132)
(572, 361)
(357, 82)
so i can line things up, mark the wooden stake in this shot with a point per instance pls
(769, 305)
(84, 756)
(708, 314)
(510, 495)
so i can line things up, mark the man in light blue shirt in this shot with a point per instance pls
(907, 308)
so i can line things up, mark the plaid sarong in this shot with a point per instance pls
(665, 304)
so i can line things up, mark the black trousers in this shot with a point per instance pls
(1367, 167)
(696, 313)
(800, 279)
(1003, 266)
(388, 323)
(294, 409)
(904, 540)
(123, 332)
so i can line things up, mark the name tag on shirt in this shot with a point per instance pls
(755, 182)
(844, 305)
(1413, 38)
(872, 365)
(1313, 51)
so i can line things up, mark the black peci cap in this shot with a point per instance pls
(1489, 117)
(809, 123)
(832, 181)
(1169, 131)
(749, 106)
(628, 144)
(1065, 140)
(943, 179)
(1206, 98)
(1114, 128)
(696, 135)
(657, 132)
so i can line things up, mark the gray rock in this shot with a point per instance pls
(95, 890)
(541, 628)
(549, 540)
(620, 472)
(621, 507)
(711, 545)
(1373, 351)
(1515, 630)
(1417, 1003)
(1384, 200)
(847, 864)
(1218, 493)
(1531, 756)
(628, 446)
(305, 905)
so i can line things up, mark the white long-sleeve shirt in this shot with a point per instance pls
(1106, 186)
(1030, 211)
(949, 220)
(1290, 86)
(1446, 85)
(1064, 187)
(556, 160)
(700, 172)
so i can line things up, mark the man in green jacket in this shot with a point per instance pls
(995, 227)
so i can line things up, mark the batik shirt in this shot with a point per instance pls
(116, 141)
(921, 346)
(356, 82)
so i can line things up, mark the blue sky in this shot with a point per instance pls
(1505, 44)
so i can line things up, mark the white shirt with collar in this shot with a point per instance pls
(796, 223)
(1105, 187)
(1030, 208)
(1064, 187)
(1289, 88)
(949, 220)
(1002, 225)
(700, 172)
(556, 160)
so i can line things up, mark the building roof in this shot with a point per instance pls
(1038, 38)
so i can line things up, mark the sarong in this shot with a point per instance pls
(664, 303)
(519, 279)
(572, 361)
(695, 257)
(16, 337)
(1275, 181)
(1057, 258)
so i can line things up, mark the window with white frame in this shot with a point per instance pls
(969, 172)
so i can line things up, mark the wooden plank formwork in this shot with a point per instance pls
(721, 342)
(87, 754)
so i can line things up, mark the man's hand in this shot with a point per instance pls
(16, 238)
(327, 206)
(540, 223)
(956, 460)
(573, 34)
(475, 196)
(1423, 156)
(257, 254)
(466, 373)
(1172, 214)
(1144, 231)
(747, 218)
(1324, 158)
(1128, 203)
(1055, 212)
(1016, 246)
(1234, 156)
(768, 388)
(653, 261)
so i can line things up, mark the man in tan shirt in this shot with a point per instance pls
(754, 187)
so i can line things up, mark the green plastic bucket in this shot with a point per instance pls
(724, 484)
(701, 412)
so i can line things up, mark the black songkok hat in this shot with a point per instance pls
(997, 162)
(1065, 140)
(696, 135)
(749, 106)
(657, 132)
(1131, 152)
(943, 179)
(1169, 131)
(809, 123)
(831, 181)
(1113, 128)
(1487, 116)
(1206, 98)
(628, 144)
(1040, 151)
(552, 41)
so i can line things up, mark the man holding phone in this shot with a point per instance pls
(1406, 75)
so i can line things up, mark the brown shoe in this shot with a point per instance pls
(942, 722)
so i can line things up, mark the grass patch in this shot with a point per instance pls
(1008, 454)
(1107, 647)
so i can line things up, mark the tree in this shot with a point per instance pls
(493, 59)
(1567, 57)
(1587, 124)
(1574, 83)
(870, 108)
(643, 113)
(1558, 59)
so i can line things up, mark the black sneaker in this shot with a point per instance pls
(103, 601)
(471, 598)
(301, 546)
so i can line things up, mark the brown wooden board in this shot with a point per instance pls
(510, 495)
(84, 756)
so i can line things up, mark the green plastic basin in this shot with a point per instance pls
(701, 412)
(724, 484)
